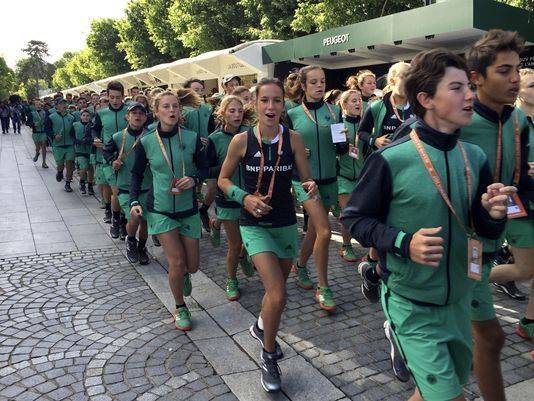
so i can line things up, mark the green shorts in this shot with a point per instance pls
(482, 298)
(92, 159)
(39, 137)
(63, 154)
(187, 226)
(82, 162)
(328, 193)
(228, 213)
(345, 186)
(124, 201)
(99, 174)
(435, 342)
(110, 176)
(520, 232)
(282, 241)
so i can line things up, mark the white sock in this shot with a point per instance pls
(260, 323)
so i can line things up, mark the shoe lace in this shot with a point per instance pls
(303, 273)
(183, 313)
(272, 367)
(326, 292)
(232, 285)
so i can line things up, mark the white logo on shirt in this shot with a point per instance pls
(258, 154)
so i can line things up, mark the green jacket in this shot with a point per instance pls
(199, 120)
(36, 120)
(59, 124)
(106, 122)
(82, 141)
(350, 167)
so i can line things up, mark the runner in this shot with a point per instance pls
(313, 120)
(143, 99)
(351, 163)
(498, 129)
(268, 220)
(36, 120)
(365, 82)
(232, 116)
(244, 93)
(57, 127)
(293, 91)
(177, 161)
(81, 136)
(119, 152)
(423, 227)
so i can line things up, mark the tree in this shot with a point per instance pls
(34, 68)
(135, 39)
(102, 41)
(270, 19)
(7, 80)
(78, 69)
(157, 23)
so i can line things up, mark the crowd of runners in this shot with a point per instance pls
(433, 174)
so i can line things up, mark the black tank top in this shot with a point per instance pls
(283, 213)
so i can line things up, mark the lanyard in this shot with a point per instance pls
(330, 110)
(123, 155)
(262, 162)
(498, 156)
(437, 181)
(394, 106)
(164, 151)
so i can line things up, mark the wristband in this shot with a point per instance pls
(237, 194)
(134, 203)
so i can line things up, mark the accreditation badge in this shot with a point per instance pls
(474, 258)
(353, 152)
(174, 190)
(515, 208)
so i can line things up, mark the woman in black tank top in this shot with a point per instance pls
(268, 153)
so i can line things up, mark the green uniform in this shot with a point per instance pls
(36, 120)
(317, 138)
(82, 145)
(199, 120)
(427, 307)
(62, 149)
(483, 131)
(349, 166)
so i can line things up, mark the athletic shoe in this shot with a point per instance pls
(369, 289)
(232, 289)
(144, 259)
(247, 266)
(336, 210)
(83, 191)
(509, 288)
(347, 253)
(67, 186)
(132, 253)
(188, 287)
(397, 362)
(215, 234)
(303, 277)
(182, 319)
(260, 335)
(36, 157)
(90, 190)
(107, 216)
(324, 296)
(205, 219)
(270, 372)
(59, 176)
(114, 229)
(44, 165)
(123, 233)
(503, 256)
(155, 241)
(525, 330)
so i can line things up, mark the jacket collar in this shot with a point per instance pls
(434, 138)
(167, 134)
(313, 105)
(490, 114)
(352, 120)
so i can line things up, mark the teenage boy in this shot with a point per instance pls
(107, 122)
(501, 130)
(82, 139)
(81, 104)
(421, 203)
(119, 151)
(57, 127)
(36, 120)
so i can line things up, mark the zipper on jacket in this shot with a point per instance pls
(172, 165)
(353, 159)
(63, 121)
(318, 145)
(116, 123)
(449, 231)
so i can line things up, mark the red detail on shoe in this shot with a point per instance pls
(522, 333)
(325, 308)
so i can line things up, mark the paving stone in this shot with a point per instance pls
(217, 351)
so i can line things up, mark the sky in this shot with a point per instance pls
(62, 24)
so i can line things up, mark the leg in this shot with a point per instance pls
(43, 151)
(343, 199)
(522, 269)
(176, 258)
(234, 246)
(192, 254)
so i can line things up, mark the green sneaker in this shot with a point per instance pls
(246, 265)
(232, 289)
(182, 319)
(325, 298)
(525, 330)
(188, 287)
(347, 253)
(336, 210)
(215, 234)
(303, 277)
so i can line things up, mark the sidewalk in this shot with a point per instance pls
(77, 321)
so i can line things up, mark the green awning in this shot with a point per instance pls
(453, 24)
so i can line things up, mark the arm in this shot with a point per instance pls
(72, 134)
(211, 124)
(366, 127)
(110, 151)
(96, 128)
(200, 161)
(303, 167)
(29, 121)
(211, 155)
(525, 188)
(236, 152)
(138, 173)
(49, 130)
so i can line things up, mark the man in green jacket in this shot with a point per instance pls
(36, 120)
(421, 203)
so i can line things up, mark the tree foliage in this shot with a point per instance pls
(7, 80)
(102, 42)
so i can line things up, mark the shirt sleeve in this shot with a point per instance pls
(138, 173)
(110, 150)
(49, 129)
(366, 127)
(211, 154)
(201, 161)
(96, 127)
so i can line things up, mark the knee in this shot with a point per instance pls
(323, 233)
(278, 298)
(490, 340)
(176, 267)
(234, 248)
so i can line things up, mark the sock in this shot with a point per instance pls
(526, 321)
(267, 352)
(181, 306)
(142, 242)
(260, 323)
(204, 208)
(131, 238)
(372, 275)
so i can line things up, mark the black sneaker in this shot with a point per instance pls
(144, 259)
(44, 165)
(36, 157)
(90, 190)
(270, 372)
(115, 229)
(259, 335)
(59, 176)
(511, 290)
(155, 241)
(83, 191)
(123, 233)
(503, 257)
(131, 251)
(67, 186)
(107, 216)
(369, 289)
(397, 362)
(205, 219)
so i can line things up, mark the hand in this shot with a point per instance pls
(116, 165)
(308, 153)
(311, 188)
(495, 200)
(185, 183)
(426, 248)
(136, 211)
(382, 141)
(58, 137)
(97, 143)
(346, 132)
(204, 141)
(255, 206)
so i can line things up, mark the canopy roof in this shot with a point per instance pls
(453, 24)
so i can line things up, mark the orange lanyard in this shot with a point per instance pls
(437, 181)
(164, 151)
(498, 156)
(394, 106)
(308, 114)
(122, 155)
(262, 162)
